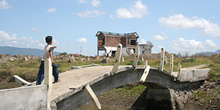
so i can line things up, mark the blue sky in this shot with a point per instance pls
(177, 25)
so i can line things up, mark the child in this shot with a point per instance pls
(48, 55)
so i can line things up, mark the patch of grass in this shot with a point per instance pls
(205, 97)
(214, 73)
(190, 60)
(125, 92)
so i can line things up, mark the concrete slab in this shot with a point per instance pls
(190, 68)
(193, 75)
(24, 98)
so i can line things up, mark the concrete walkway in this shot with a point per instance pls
(79, 77)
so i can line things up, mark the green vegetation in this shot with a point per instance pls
(207, 97)
(125, 92)
(28, 70)
(64, 53)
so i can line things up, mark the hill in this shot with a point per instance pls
(23, 51)
(217, 52)
(208, 53)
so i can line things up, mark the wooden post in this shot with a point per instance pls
(118, 58)
(162, 59)
(48, 80)
(136, 56)
(171, 64)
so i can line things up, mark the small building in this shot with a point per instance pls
(108, 42)
(146, 48)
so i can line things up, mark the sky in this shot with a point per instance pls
(179, 26)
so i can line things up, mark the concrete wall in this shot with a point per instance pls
(24, 98)
(73, 99)
(193, 75)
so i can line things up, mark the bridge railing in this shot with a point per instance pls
(164, 60)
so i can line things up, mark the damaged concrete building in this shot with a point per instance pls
(146, 48)
(108, 42)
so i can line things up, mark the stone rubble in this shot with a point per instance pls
(181, 98)
(70, 57)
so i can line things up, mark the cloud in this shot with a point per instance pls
(4, 5)
(82, 1)
(193, 46)
(210, 44)
(95, 3)
(88, 13)
(180, 22)
(51, 10)
(55, 42)
(82, 40)
(137, 10)
(159, 37)
(142, 41)
(6, 36)
(35, 29)
(12, 40)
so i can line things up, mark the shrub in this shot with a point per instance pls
(189, 60)
(64, 53)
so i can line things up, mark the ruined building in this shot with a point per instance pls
(108, 42)
(146, 48)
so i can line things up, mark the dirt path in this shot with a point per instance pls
(195, 67)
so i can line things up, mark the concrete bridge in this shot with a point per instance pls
(79, 86)
(70, 94)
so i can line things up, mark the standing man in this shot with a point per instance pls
(48, 54)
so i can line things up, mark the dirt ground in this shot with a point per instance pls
(211, 101)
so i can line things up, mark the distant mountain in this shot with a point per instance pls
(217, 52)
(208, 53)
(23, 51)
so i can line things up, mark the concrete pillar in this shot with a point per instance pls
(142, 59)
(136, 55)
(93, 96)
(21, 81)
(162, 59)
(171, 64)
(48, 80)
(118, 58)
(145, 74)
(122, 59)
(165, 59)
(146, 63)
(179, 70)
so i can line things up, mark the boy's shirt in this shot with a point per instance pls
(47, 52)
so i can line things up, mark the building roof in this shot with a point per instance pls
(112, 34)
(148, 43)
